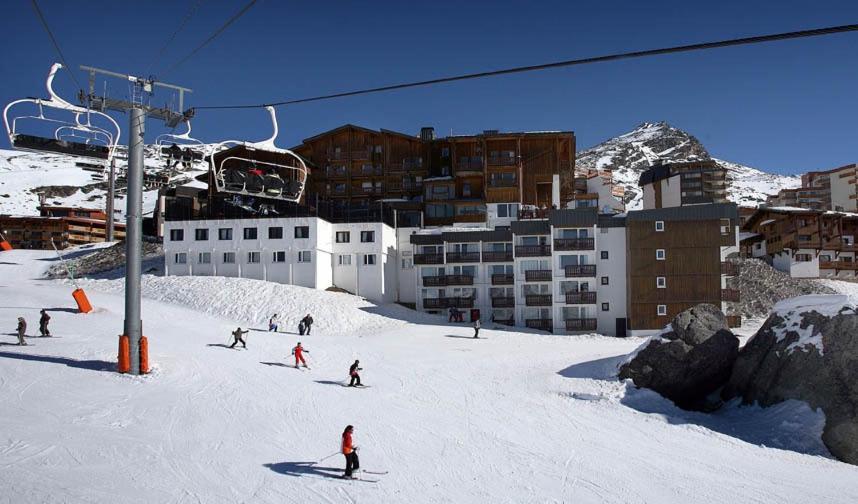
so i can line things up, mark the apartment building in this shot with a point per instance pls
(687, 183)
(803, 242)
(66, 226)
(834, 189)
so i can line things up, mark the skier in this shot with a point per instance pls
(308, 322)
(301, 327)
(353, 372)
(43, 323)
(298, 352)
(22, 328)
(452, 313)
(237, 337)
(477, 327)
(350, 451)
(272, 323)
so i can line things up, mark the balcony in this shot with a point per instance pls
(581, 270)
(334, 172)
(472, 164)
(428, 258)
(574, 244)
(445, 280)
(731, 295)
(435, 281)
(734, 321)
(729, 269)
(581, 324)
(504, 256)
(463, 257)
(533, 213)
(502, 183)
(360, 154)
(502, 279)
(448, 302)
(502, 160)
(367, 190)
(532, 250)
(537, 275)
(368, 171)
(586, 297)
(539, 323)
(503, 302)
(537, 300)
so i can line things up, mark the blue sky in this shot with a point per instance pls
(784, 107)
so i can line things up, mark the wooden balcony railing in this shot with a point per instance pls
(540, 323)
(507, 322)
(537, 300)
(503, 302)
(537, 275)
(574, 244)
(502, 160)
(463, 257)
(581, 270)
(533, 213)
(588, 297)
(730, 295)
(470, 165)
(729, 268)
(581, 324)
(502, 279)
(498, 183)
(532, 250)
(428, 258)
(505, 256)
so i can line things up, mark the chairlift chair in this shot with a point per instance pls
(79, 137)
(167, 144)
(259, 169)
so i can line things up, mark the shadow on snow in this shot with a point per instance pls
(299, 469)
(91, 365)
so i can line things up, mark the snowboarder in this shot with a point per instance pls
(22, 328)
(477, 327)
(237, 337)
(308, 322)
(298, 352)
(353, 372)
(43, 323)
(272, 323)
(350, 451)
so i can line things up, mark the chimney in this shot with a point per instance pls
(427, 134)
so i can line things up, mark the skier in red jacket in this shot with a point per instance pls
(350, 452)
(298, 352)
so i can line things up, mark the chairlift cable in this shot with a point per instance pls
(567, 63)
(54, 41)
(172, 37)
(213, 36)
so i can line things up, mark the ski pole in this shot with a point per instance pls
(329, 456)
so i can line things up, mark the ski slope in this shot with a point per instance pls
(514, 417)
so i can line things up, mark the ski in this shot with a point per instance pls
(374, 472)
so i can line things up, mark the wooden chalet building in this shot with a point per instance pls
(67, 227)
(835, 189)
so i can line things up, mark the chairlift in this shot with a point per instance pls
(259, 169)
(181, 148)
(78, 137)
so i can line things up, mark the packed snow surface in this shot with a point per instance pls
(512, 417)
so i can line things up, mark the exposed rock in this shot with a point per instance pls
(689, 360)
(807, 350)
(761, 287)
(107, 259)
(57, 191)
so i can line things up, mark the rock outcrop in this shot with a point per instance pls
(806, 350)
(689, 360)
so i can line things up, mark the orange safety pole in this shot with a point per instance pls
(124, 364)
(144, 355)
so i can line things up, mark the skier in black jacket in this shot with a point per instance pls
(353, 372)
(308, 322)
(43, 323)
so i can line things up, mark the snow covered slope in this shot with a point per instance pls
(514, 417)
(631, 153)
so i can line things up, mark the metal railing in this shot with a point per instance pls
(532, 250)
(587, 297)
(503, 302)
(428, 258)
(581, 270)
(540, 323)
(505, 256)
(537, 300)
(459, 257)
(581, 324)
(537, 275)
(503, 279)
(574, 244)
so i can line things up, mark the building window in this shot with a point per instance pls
(369, 259)
(275, 233)
(344, 259)
(279, 256)
(343, 237)
(803, 258)
(229, 257)
(606, 306)
(725, 226)
(659, 225)
(661, 310)
(604, 254)
(661, 282)
(304, 256)
(659, 254)
(177, 234)
(205, 258)
(201, 234)
(250, 233)
(181, 258)
(408, 263)
(604, 280)
(253, 257)
(224, 234)
(367, 237)
(302, 231)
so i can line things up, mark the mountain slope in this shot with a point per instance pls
(629, 154)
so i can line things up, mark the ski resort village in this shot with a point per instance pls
(382, 309)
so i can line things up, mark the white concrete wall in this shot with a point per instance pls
(648, 196)
(406, 277)
(492, 218)
(841, 190)
(805, 269)
(612, 240)
(607, 201)
(671, 193)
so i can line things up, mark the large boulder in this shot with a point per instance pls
(688, 360)
(806, 350)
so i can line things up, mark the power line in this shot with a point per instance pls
(213, 36)
(566, 63)
(172, 37)
(54, 41)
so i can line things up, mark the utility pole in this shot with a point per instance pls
(111, 181)
(138, 111)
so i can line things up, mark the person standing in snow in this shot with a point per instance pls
(308, 322)
(452, 313)
(22, 329)
(237, 337)
(43, 323)
(350, 452)
(353, 372)
(298, 352)
(272, 323)
(477, 327)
